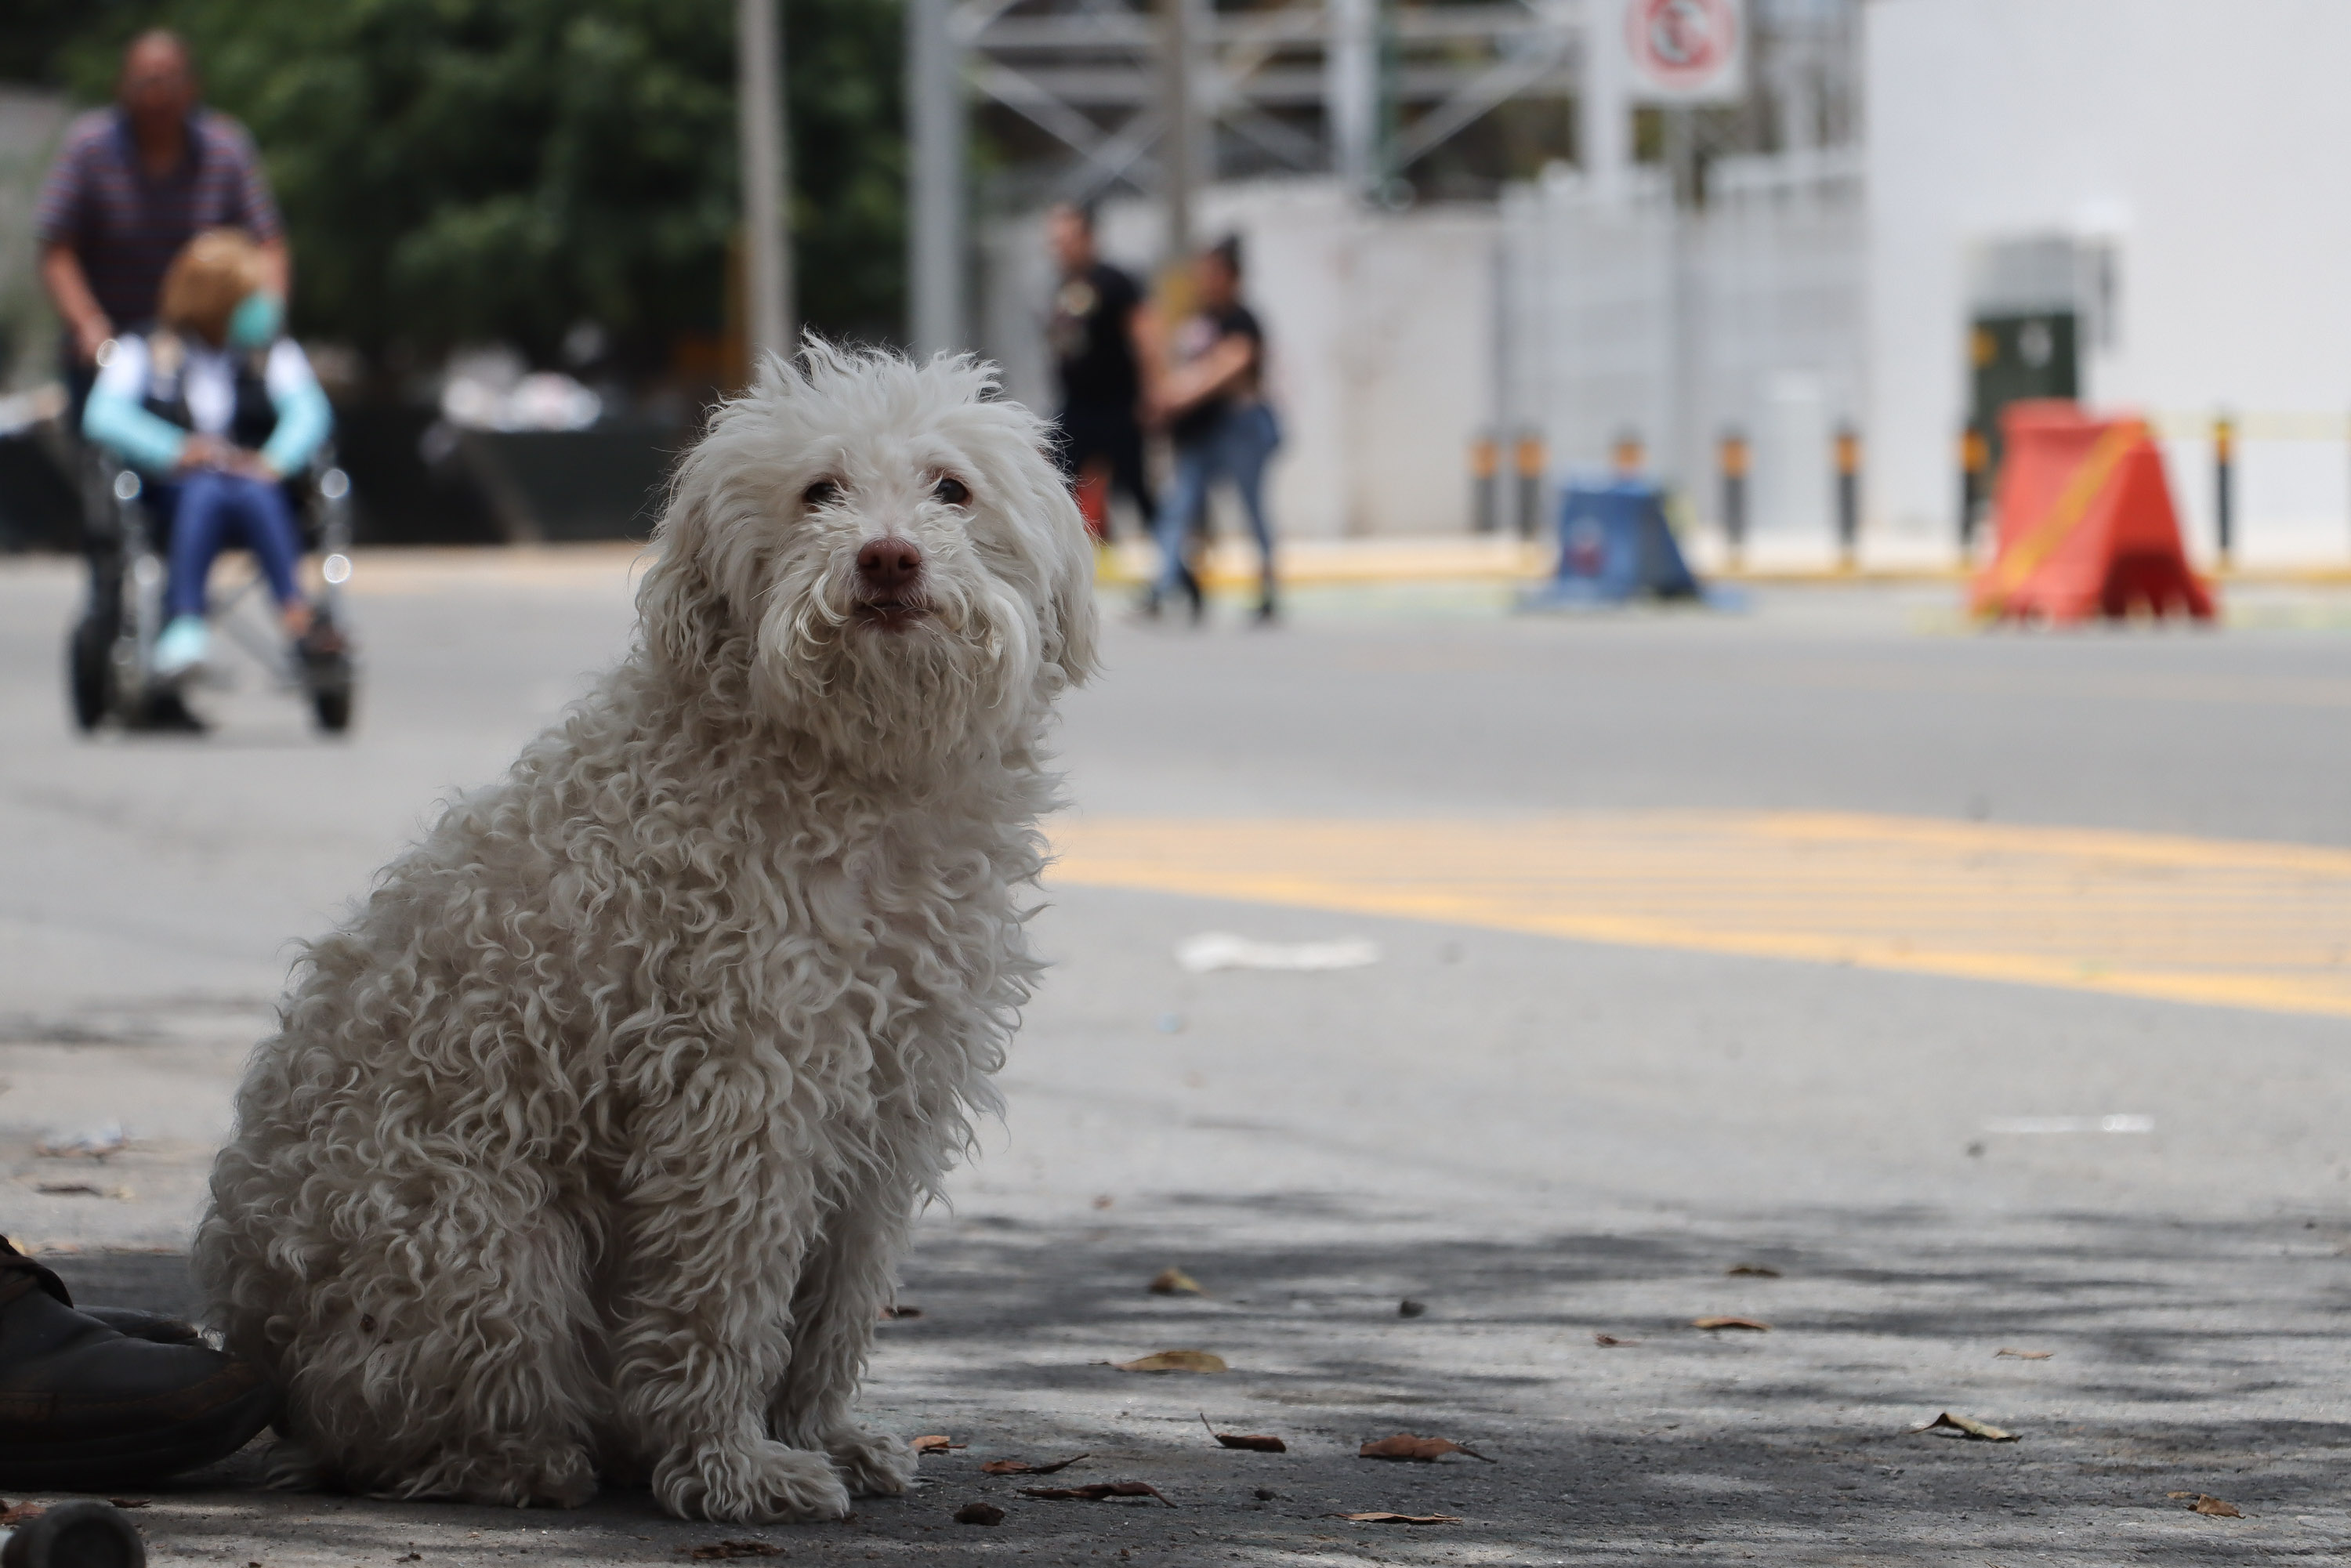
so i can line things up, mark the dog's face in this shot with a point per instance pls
(879, 555)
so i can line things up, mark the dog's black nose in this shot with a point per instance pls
(889, 566)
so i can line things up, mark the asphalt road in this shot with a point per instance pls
(1541, 1140)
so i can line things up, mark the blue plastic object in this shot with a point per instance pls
(1614, 546)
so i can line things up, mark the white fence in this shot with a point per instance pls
(1676, 327)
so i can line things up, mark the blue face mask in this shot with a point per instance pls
(254, 322)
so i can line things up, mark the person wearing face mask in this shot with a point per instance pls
(217, 407)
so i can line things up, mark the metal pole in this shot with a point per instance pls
(766, 181)
(1848, 496)
(1183, 111)
(1733, 463)
(2224, 487)
(1603, 123)
(1351, 93)
(934, 102)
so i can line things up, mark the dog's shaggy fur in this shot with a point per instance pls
(587, 1146)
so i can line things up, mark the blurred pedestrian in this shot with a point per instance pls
(217, 407)
(1212, 401)
(1100, 345)
(130, 187)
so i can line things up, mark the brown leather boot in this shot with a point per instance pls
(86, 1407)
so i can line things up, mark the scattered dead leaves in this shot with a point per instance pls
(2023, 1354)
(1174, 1282)
(1408, 1308)
(1096, 1491)
(1376, 1517)
(1103, 1200)
(1750, 1324)
(900, 1313)
(127, 1501)
(1967, 1427)
(1255, 1442)
(1757, 1270)
(1424, 1450)
(13, 1515)
(979, 1514)
(1023, 1468)
(718, 1550)
(936, 1443)
(1175, 1361)
(2205, 1504)
(1610, 1341)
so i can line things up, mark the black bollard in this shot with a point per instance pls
(1848, 496)
(1732, 460)
(1485, 464)
(2224, 485)
(1529, 459)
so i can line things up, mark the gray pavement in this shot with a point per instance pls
(1541, 1140)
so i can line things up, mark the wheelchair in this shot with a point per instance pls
(110, 649)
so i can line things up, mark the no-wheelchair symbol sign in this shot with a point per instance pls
(1685, 50)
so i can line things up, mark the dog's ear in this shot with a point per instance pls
(1072, 622)
(679, 608)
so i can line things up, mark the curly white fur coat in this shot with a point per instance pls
(588, 1145)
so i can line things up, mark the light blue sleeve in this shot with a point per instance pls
(114, 418)
(304, 417)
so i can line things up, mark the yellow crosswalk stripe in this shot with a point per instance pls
(2179, 919)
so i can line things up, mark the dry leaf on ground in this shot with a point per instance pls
(1173, 1281)
(1408, 1308)
(979, 1514)
(1023, 1468)
(1380, 1518)
(1760, 1270)
(1967, 1427)
(1175, 1361)
(1095, 1491)
(22, 1513)
(2023, 1354)
(128, 1501)
(1404, 1445)
(1748, 1323)
(936, 1443)
(1610, 1341)
(718, 1550)
(894, 1312)
(1255, 1442)
(2213, 1506)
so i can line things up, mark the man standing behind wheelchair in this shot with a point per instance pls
(217, 407)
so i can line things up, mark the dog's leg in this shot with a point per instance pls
(716, 1225)
(844, 1286)
(448, 1364)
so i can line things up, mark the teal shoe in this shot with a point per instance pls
(181, 647)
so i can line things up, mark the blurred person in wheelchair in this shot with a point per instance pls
(216, 408)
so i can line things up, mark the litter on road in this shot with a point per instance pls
(1213, 950)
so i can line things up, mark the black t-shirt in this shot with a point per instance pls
(1200, 334)
(1092, 346)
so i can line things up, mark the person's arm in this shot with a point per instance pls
(114, 418)
(304, 416)
(1223, 366)
(69, 291)
(1144, 339)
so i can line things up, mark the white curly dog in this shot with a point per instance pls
(587, 1146)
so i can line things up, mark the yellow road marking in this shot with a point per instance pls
(2176, 919)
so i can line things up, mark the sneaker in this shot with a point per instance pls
(180, 650)
(87, 1407)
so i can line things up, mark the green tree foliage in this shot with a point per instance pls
(464, 170)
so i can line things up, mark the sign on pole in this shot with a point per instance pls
(1687, 51)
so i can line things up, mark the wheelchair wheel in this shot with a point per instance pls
(89, 671)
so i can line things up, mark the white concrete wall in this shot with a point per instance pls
(2202, 139)
(1380, 341)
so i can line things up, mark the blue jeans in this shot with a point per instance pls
(216, 510)
(1237, 449)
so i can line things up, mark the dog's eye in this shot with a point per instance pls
(823, 492)
(951, 490)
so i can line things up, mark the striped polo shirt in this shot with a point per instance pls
(125, 227)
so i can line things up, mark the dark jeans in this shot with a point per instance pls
(1237, 449)
(216, 510)
(1110, 433)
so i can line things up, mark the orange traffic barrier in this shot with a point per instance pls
(2085, 522)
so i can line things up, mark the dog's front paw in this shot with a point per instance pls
(765, 1483)
(870, 1464)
